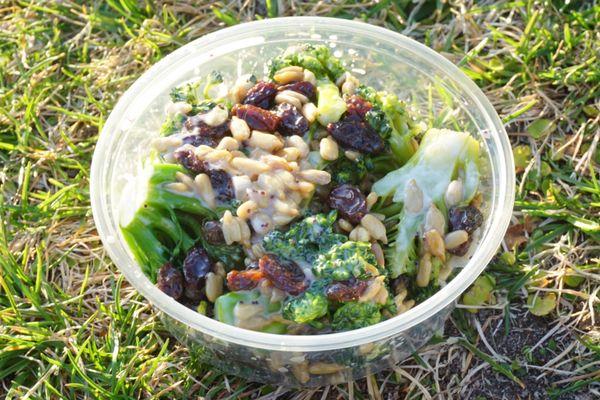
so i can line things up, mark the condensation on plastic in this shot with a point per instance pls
(434, 87)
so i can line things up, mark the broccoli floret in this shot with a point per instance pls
(212, 80)
(402, 127)
(368, 93)
(390, 119)
(344, 170)
(172, 125)
(306, 239)
(307, 307)
(155, 232)
(202, 100)
(377, 119)
(355, 315)
(346, 260)
(317, 59)
(188, 93)
(442, 156)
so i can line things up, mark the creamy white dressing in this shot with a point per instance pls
(307, 269)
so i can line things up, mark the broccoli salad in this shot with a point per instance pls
(303, 202)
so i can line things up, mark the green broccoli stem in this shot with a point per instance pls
(155, 234)
(143, 232)
(158, 221)
(390, 210)
(150, 253)
(382, 164)
(402, 146)
(160, 197)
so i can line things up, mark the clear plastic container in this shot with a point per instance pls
(437, 90)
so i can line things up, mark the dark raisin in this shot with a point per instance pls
(283, 274)
(462, 249)
(197, 126)
(399, 283)
(256, 118)
(199, 140)
(261, 95)
(358, 106)
(188, 159)
(243, 280)
(355, 134)
(170, 281)
(221, 184)
(213, 233)
(306, 88)
(292, 122)
(196, 266)
(346, 291)
(349, 201)
(466, 218)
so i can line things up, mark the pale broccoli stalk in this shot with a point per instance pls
(442, 156)
(155, 232)
(355, 315)
(330, 105)
(225, 309)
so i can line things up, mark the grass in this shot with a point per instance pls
(71, 327)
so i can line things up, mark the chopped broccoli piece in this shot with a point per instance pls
(355, 315)
(212, 80)
(344, 170)
(172, 125)
(330, 105)
(232, 256)
(368, 93)
(306, 239)
(442, 156)
(203, 106)
(317, 59)
(188, 92)
(346, 260)
(377, 119)
(306, 307)
(201, 100)
(155, 231)
(225, 308)
(390, 119)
